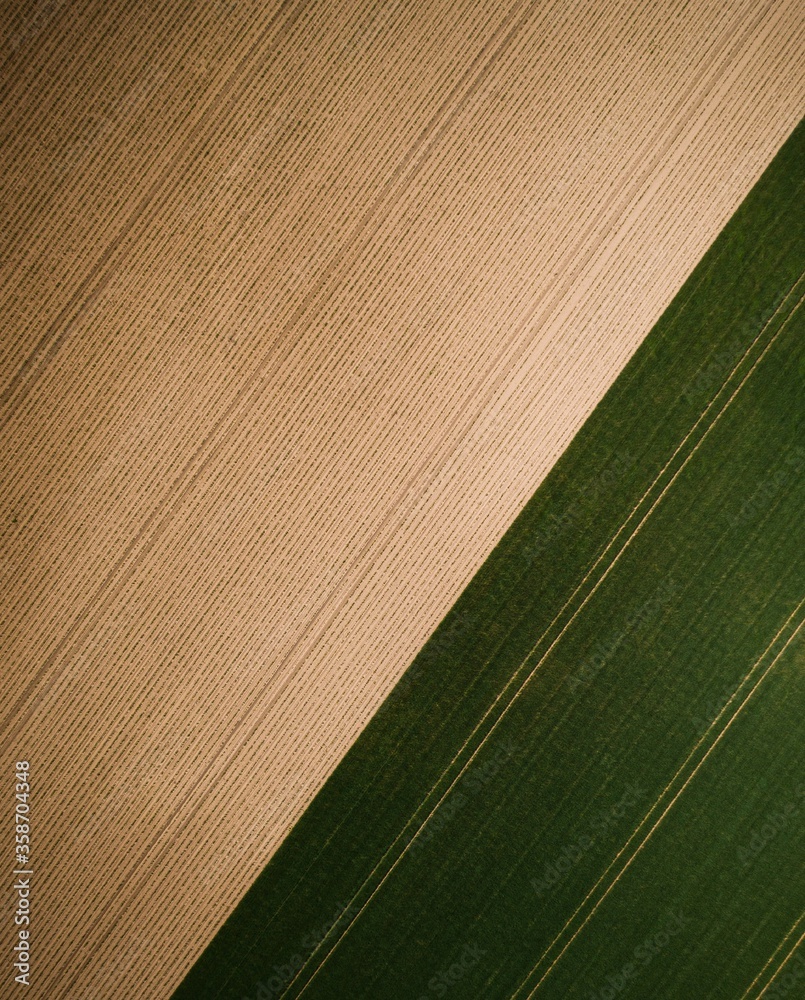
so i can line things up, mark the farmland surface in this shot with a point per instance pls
(301, 302)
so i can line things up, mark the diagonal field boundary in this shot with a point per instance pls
(71, 666)
(676, 316)
(580, 585)
(143, 533)
(105, 584)
(471, 80)
(536, 666)
(638, 527)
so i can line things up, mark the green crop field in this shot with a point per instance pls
(591, 781)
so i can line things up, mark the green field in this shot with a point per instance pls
(591, 781)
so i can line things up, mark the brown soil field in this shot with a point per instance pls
(301, 302)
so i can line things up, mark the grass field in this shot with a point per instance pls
(592, 777)
(301, 302)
